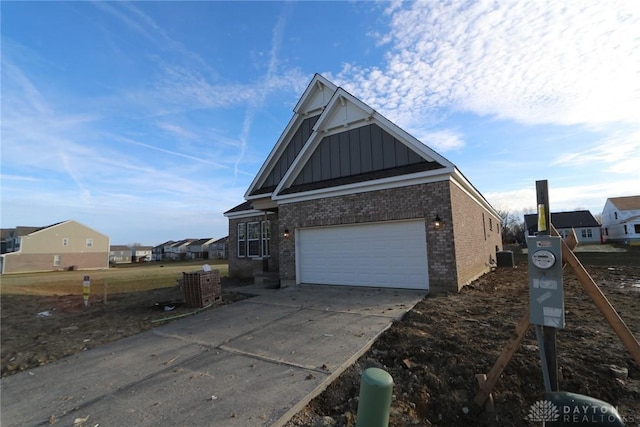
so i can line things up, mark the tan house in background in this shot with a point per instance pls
(66, 245)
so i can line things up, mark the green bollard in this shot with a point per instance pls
(376, 388)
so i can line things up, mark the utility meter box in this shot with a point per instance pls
(546, 295)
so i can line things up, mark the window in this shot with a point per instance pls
(56, 260)
(606, 231)
(89, 243)
(625, 229)
(266, 238)
(65, 241)
(636, 228)
(586, 232)
(253, 239)
(484, 227)
(242, 240)
(615, 214)
(490, 224)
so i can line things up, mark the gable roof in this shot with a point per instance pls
(200, 242)
(336, 144)
(626, 203)
(353, 145)
(573, 219)
(309, 107)
(114, 248)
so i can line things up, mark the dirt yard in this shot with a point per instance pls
(39, 329)
(433, 354)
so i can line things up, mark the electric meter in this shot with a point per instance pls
(543, 259)
(546, 296)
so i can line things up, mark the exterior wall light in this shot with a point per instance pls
(286, 234)
(437, 222)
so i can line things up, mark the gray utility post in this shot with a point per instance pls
(541, 251)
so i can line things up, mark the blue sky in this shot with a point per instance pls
(148, 120)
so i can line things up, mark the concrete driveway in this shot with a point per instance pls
(255, 362)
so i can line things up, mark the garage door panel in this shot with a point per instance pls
(389, 254)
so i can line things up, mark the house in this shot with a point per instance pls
(346, 197)
(61, 246)
(119, 254)
(199, 249)
(583, 222)
(219, 249)
(178, 250)
(11, 237)
(141, 253)
(621, 220)
(158, 252)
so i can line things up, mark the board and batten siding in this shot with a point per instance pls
(357, 151)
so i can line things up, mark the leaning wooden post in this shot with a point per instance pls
(503, 360)
(601, 301)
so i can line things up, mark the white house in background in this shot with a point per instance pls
(621, 220)
(141, 253)
(178, 250)
(199, 249)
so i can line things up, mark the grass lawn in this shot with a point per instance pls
(124, 278)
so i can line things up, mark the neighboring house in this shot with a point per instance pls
(11, 237)
(199, 249)
(119, 254)
(62, 246)
(178, 250)
(219, 249)
(141, 253)
(158, 252)
(583, 222)
(621, 220)
(346, 197)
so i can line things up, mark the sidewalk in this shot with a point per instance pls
(251, 363)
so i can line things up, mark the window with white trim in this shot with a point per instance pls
(586, 232)
(65, 241)
(253, 239)
(242, 240)
(56, 261)
(89, 243)
(266, 238)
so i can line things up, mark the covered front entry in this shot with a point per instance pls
(391, 254)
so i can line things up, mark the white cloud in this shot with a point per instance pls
(441, 140)
(534, 62)
(618, 153)
(564, 198)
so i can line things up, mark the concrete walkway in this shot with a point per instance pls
(255, 362)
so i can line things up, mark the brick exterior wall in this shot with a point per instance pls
(247, 267)
(477, 234)
(19, 262)
(416, 201)
(458, 252)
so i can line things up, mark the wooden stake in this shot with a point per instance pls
(503, 360)
(489, 406)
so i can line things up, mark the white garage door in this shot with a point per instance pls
(386, 254)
